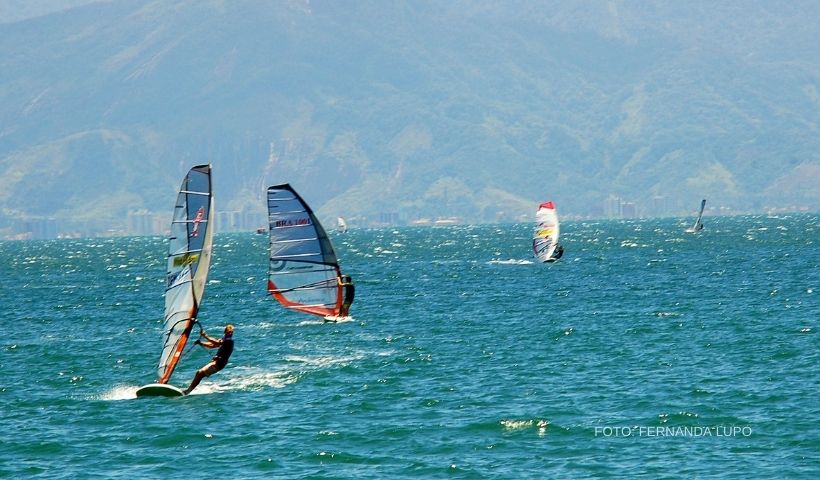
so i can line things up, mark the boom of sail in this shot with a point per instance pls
(303, 268)
(545, 236)
(189, 259)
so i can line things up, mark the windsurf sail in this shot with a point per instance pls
(341, 224)
(545, 236)
(189, 258)
(698, 226)
(303, 268)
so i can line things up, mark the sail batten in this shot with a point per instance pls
(284, 212)
(298, 255)
(302, 307)
(184, 252)
(188, 262)
(298, 272)
(303, 269)
(188, 221)
(295, 269)
(299, 240)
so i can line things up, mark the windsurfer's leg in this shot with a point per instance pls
(194, 382)
(197, 378)
(200, 374)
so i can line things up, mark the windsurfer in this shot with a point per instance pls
(219, 361)
(348, 292)
(558, 253)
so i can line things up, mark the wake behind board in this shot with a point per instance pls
(159, 390)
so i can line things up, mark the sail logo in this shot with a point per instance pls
(200, 214)
(186, 259)
(277, 265)
(292, 222)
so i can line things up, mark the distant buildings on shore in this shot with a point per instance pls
(33, 229)
(147, 223)
(137, 223)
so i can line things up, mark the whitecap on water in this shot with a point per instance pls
(118, 392)
(320, 321)
(516, 424)
(541, 425)
(249, 380)
(510, 261)
(322, 361)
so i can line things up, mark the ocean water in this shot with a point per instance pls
(644, 352)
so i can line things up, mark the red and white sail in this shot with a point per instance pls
(547, 228)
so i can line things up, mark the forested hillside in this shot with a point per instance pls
(474, 109)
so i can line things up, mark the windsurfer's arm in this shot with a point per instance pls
(209, 341)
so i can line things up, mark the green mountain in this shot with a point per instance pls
(410, 109)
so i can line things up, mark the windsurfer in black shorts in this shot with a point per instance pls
(219, 361)
(348, 292)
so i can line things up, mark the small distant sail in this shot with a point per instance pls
(189, 259)
(341, 224)
(303, 268)
(545, 236)
(698, 226)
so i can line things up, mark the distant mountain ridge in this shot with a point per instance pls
(477, 110)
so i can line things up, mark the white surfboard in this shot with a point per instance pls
(159, 390)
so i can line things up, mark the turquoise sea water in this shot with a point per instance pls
(644, 352)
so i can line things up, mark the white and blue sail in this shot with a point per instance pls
(189, 259)
(303, 270)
